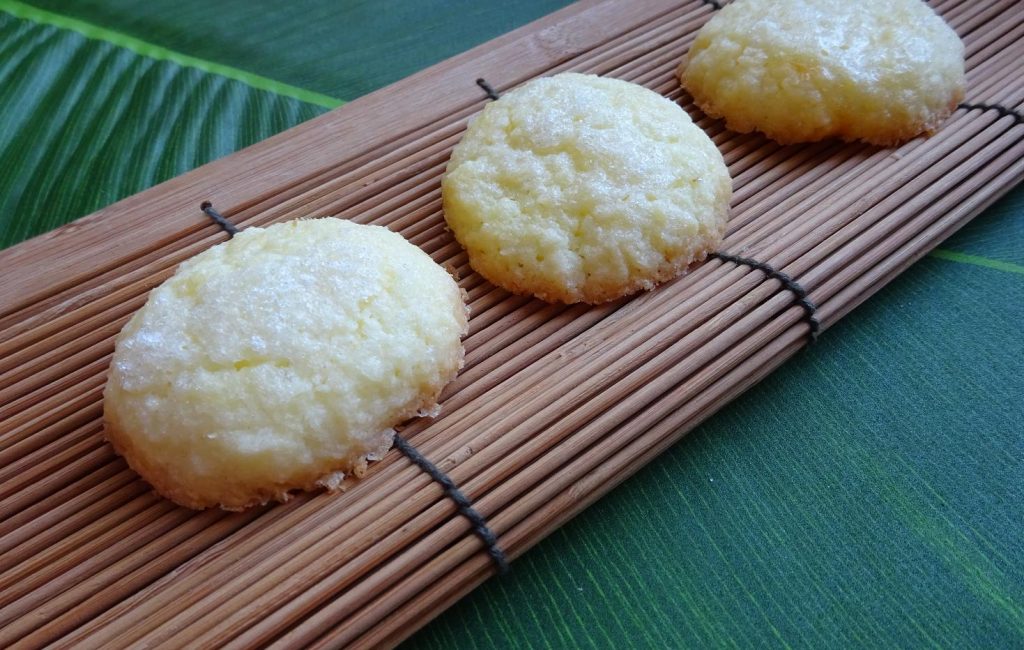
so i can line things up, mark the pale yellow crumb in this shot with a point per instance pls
(881, 71)
(577, 188)
(281, 360)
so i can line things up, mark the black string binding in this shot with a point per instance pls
(488, 88)
(462, 502)
(810, 309)
(1003, 111)
(713, 3)
(452, 491)
(218, 218)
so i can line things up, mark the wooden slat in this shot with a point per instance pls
(129, 228)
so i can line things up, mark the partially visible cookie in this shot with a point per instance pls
(281, 360)
(577, 188)
(881, 71)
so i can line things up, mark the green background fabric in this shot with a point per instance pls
(343, 49)
(869, 493)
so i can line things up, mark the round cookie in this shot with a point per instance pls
(881, 71)
(577, 188)
(280, 360)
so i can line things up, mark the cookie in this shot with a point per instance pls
(281, 360)
(577, 188)
(881, 71)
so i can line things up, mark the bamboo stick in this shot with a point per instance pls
(342, 639)
(556, 404)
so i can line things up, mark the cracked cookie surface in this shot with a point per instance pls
(881, 71)
(281, 360)
(577, 188)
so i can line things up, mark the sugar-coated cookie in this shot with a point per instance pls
(281, 360)
(577, 188)
(881, 71)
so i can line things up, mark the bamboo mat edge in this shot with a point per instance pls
(258, 172)
(891, 272)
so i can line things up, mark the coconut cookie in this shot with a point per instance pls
(881, 71)
(280, 360)
(577, 188)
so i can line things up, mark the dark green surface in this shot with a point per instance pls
(85, 123)
(344, 49)
(999, 236)
(869, 493)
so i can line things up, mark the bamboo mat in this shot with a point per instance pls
(556, 404)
